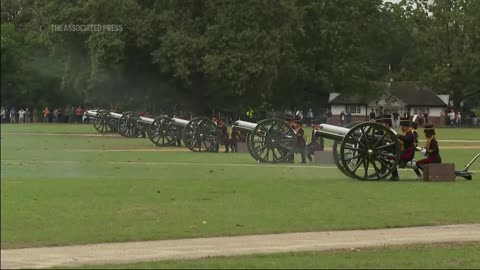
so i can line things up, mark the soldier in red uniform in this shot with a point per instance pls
(288, 120)
(431, 150)
(234, 139)
(316, 142)
(407, 147)
(223, 133)
(215, 120)
(301, 144)
(415, 133)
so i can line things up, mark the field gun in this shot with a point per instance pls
(270, 140)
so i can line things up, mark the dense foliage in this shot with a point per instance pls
(228, 55)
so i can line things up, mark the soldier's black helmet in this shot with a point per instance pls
(429, 130)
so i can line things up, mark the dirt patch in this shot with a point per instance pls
(238, 245)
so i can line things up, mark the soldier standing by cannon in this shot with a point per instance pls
(235, 137)
(301, 144)
(215, 120)
(407, 147)
(223, 133)
(316, 142)
(291, 124)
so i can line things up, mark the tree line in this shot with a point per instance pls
(231, 55)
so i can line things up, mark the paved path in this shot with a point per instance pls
(226, 246)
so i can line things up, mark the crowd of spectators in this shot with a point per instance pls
(44, 115)
(71, 114)
(455, 119)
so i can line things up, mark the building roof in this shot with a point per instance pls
(350, 100)
(411, 93)
(415, 95)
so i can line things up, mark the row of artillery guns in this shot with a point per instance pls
(200, 134)
(361, 150)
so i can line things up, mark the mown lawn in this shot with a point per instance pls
(62, 189)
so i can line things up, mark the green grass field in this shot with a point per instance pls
(68, 189)
(442, 256)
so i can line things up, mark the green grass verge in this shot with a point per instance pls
(49, 128)
(53, 194)
(440, 256)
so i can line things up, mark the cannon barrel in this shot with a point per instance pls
(180, 122)
(145, 120)
(244, 129)
(92, 113)
(332, 132)
(245, 125)
(116, 115)
(334, 129)
(338, 133)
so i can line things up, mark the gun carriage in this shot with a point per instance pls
(270, 140)
(199, 134)
(372, 148)
(104, 121)
(366, 151)
(128, 124)
(361, 150)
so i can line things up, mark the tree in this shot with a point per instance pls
(225, 47)
(341, 49)
(447, 38)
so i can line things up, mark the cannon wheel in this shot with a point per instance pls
(369, 144)
(336, 152)
(128, 125)
(271, 141)
(162, 132)
(201, 135)
(101, 123)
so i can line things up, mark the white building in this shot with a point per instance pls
(405, 98)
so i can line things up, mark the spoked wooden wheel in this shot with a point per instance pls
(162, 132)
(128, 125)
(201, 135)
(271, 141)
(100, 122)
(370, 151)
(336, 151)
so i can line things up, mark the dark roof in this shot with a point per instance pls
(350, 100)
(411, 93)
(415, 95)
